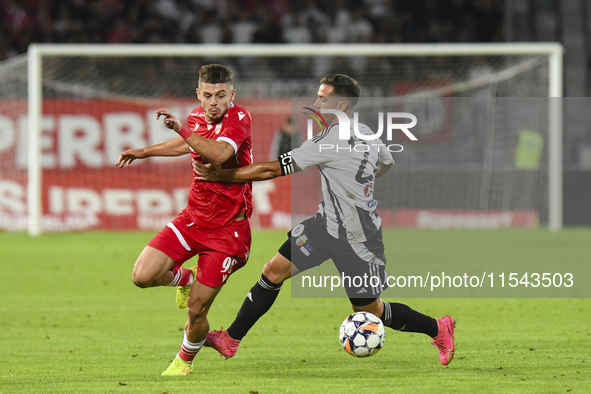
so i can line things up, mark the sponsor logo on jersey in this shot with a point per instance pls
(241, 115)
(304, 251)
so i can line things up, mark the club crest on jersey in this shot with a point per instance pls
(297, 230)
(301, 240)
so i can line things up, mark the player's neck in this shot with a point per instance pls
(336, 121)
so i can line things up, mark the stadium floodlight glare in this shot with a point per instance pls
(550, 75)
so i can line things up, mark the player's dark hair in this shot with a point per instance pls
(343, 86)
(216, 73)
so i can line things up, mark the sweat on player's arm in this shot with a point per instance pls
(174, 147)
(212, 151)
(252, 172)
(262, 171)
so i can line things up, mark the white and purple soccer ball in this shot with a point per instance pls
(362, 334)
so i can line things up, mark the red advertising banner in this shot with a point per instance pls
(82, 189)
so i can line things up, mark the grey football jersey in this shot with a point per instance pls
(348, 169)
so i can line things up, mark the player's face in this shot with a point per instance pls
(215, 99)
(327, 100)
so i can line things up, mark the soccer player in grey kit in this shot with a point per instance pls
(346, 228)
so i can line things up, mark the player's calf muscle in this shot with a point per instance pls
(197, 314)
(198, 305)
(196, 318)
(277, 270)
(376, 307)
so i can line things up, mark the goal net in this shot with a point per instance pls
(484, 152)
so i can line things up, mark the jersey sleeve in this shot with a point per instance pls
(236, 129)
(316, 151)
(384, 154)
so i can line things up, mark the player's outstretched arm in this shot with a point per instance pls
(174, 147)
(216, 152)
(252, 172)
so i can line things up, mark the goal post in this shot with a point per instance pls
(35, 97)
(41, 54)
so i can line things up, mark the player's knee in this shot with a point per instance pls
(273, 273)
(140, 279)
(140, 282)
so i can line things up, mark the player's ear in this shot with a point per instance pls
(198, 95)
(233, 94)
(343, 105)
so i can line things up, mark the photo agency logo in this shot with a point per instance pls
(344, 125)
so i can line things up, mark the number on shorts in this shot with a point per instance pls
(228, 264)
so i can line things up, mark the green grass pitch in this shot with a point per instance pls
(71, 321)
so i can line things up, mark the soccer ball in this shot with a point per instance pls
(362, 334)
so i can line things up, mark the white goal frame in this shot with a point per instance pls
(36, 52)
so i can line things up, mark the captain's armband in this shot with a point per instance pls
(287, 164)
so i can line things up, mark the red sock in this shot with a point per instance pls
(182, 277)
(189, 349)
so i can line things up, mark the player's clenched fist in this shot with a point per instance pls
(170, 120)
(130, 155)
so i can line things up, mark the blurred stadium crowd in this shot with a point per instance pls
(249, 21)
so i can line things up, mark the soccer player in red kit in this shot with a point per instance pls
(214, 225)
